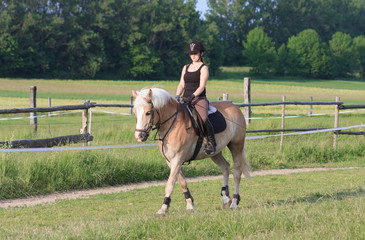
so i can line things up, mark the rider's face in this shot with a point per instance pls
(195, 57)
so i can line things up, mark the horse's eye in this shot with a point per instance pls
(149, 113)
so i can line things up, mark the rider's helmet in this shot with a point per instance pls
(195, 47)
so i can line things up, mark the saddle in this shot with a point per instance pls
(215, 117)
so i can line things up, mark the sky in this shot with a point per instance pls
(202, 6)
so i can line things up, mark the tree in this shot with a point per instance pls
(359, 45)
(313, 56)
(10, 61)
(260, 52)
(342, 49)
(221, 14)
(148, 39)
(290, 17)
(286, 62)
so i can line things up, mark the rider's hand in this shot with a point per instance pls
(177, 98)
(190, 98)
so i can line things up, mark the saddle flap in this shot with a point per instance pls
(218, 121)
(215, 117)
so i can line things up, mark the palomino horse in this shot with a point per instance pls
(156, 107)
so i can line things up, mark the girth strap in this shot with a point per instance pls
(198, 146)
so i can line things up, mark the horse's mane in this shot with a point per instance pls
(160, 97)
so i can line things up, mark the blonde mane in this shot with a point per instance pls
(160, 97)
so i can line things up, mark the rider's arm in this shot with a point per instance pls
(181, 86)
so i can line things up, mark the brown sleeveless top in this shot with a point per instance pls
(192, 82)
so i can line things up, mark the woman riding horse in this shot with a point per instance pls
(194, 77)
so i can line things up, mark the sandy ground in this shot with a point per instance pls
(53, 198)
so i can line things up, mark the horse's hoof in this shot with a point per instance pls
(234, 204)
(160, 213)
(190, 209)
(227, 205)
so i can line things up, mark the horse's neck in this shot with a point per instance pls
(167, 112)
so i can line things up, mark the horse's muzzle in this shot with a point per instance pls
(141, 136)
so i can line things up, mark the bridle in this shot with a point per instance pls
(150, 123)
(158, 125)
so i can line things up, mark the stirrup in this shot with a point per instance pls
(209, 148)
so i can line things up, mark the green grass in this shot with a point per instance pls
(317, 205)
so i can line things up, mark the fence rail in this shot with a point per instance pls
(91, 105)
(87, 105)
(61, 108)
(48, 142)
(289, 103)
(351, 106)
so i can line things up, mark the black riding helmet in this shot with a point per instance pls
(195, 47)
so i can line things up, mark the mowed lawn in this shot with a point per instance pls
(313, 205)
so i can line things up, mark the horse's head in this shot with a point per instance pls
(147, 107)
(144, 112)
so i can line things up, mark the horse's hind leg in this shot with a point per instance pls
(224, 166)
(188, 198)
(240, 164)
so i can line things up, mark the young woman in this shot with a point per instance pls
(194, 77)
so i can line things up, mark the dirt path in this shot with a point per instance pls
(53, 198)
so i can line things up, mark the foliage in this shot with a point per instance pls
(342, 49)
(260, 52)
(147, 39)
(359, 44)
(313, 59)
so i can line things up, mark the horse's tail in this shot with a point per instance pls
(245, 165)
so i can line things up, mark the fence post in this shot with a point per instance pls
(225, 96)
(310, 107)
(337, 115)
(33, 104)
(131, 109)
(247, 98)
(49, 105)
(83, 129)
(282, 124)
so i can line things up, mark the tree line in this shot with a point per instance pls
(134, 39)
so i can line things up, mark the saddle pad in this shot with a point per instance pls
(218, 122)
(211, 109)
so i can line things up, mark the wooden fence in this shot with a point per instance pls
(84, 136)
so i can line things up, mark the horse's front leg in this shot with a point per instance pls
(175, 168)
(188, 198)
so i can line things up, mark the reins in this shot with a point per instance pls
(168, 130)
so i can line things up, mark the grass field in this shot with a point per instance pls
(24, 174)
(316, 205)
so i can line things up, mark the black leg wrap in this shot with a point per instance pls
(167, 201)
(225, 189)
(188, 195)
(237, 196)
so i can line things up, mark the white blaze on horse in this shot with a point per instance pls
(156, 108)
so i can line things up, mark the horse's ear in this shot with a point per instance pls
(134, 94)
(149, 95)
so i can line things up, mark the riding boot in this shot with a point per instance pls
(211, 144)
